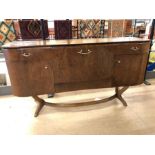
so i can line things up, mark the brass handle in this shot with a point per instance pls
(46, 67)
(26, 54)
(118, 61)
(134, 48)
(89, 51)
(80, 52)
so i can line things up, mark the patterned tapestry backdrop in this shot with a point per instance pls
(88, 28)
(117, 28)
(63, 29)
(104, 28)
(93, 28)
(7, 32)
(31, 29)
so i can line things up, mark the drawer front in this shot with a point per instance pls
(31, 54)
(127, 48)
(19, 54)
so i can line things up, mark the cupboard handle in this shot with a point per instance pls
(80, 52)
(118, 61)
(46, 67)
(134, 48)
(26, 54)
(89, 51)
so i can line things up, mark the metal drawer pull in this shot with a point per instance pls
(46, 67)
(89, 51)
(134, 48)
(118, 61)
(80, 52)
(26, 54)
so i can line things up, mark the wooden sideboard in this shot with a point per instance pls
(51, 66)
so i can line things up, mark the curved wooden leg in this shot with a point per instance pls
(41, 102)
(119, 93)
(40, 105)
(122, 100)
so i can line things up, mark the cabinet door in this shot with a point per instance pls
(40, 77)
(83, 63)
(29, 75)
(127, 69)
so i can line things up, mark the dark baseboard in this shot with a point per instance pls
(5, 90)
(150, 75)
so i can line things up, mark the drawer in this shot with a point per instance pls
(19, 55)
(33, 54)
(126, 48)
(133, 48)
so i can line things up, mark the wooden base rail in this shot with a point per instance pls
(118, 94)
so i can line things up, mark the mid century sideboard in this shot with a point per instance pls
(47, 67)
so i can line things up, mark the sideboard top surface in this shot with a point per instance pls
(45, 43)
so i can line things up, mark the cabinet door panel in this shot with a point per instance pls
(127, 69)
(30, 78)
(83, 63)
(40, 77)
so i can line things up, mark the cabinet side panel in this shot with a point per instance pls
(143, 68)
(145, 53)
(20, 86)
